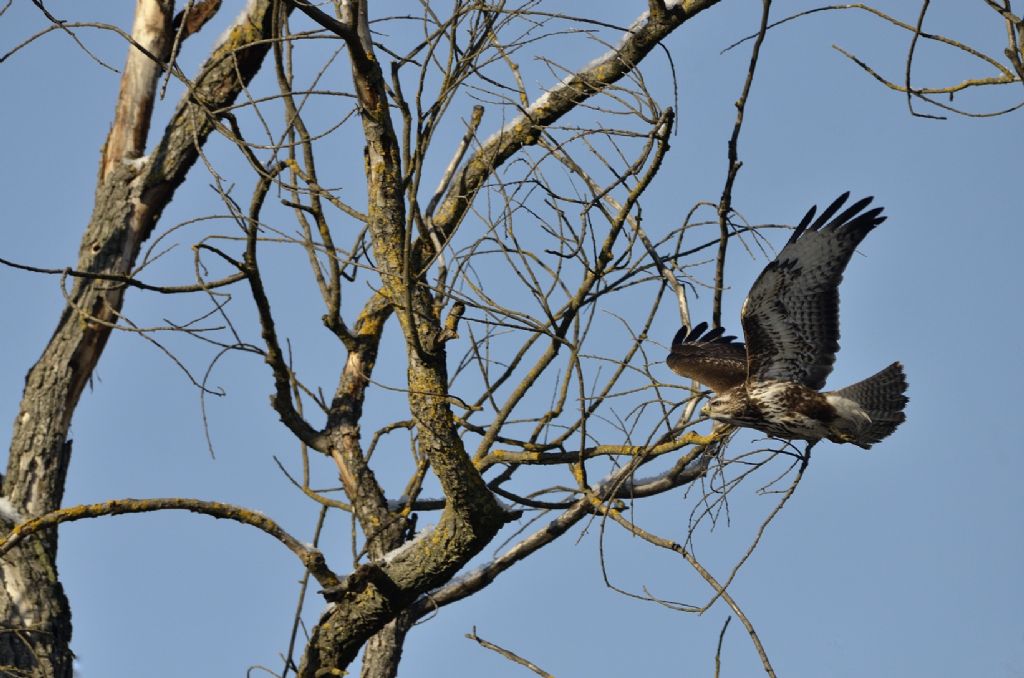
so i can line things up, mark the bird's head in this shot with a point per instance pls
(723, 407)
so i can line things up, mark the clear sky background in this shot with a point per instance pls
(901, 561)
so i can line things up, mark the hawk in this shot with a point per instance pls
(791, 326)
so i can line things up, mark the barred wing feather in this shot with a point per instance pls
(709, 357)
(791, 315)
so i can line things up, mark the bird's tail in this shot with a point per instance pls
(882, 397)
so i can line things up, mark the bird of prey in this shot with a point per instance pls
(791, 326)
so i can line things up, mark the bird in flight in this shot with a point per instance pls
(790, 323)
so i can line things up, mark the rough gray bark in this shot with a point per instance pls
(130, 197)
(383, 651)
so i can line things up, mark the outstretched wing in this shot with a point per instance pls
(791, 315)
(710, 358)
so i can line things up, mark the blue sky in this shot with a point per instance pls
(899, 561)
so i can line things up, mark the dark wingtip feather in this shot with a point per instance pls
(830, 210)
(700, 333)
(713, 335)
(696, 331)
(851, 214)
(803, 223)
(873, 215)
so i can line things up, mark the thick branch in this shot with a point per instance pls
(311, 558)
(471, 516)
(127, 139)
(375, 594)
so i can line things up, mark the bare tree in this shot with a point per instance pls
(503, 261)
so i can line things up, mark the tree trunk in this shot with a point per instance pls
(384, 650)
(132, 192)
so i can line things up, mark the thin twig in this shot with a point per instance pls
(127, 280)
(508, 654)
(725, 202)
(718, 650)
